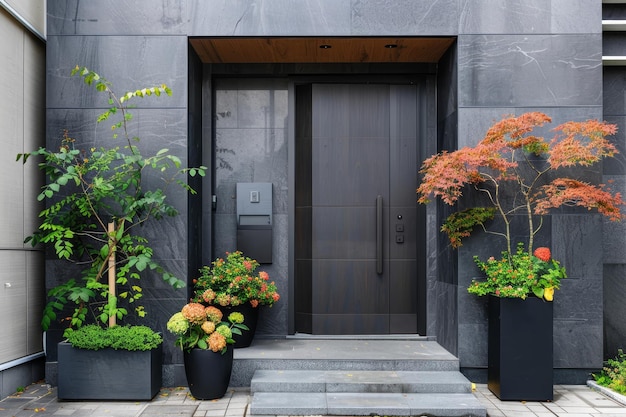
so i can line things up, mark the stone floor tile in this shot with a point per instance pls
(621, 411)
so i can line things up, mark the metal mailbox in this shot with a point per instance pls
(254, 220)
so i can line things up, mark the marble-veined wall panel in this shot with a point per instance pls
(270, 18)
(404, 17)
(530, 70)
(147, 61)
(578, 16)
(510, 17)
(529, 16)
(117, 17)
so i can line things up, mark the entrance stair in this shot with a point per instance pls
(354, 377)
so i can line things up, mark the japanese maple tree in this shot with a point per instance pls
(521, 173)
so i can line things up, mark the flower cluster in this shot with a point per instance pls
(519, 275)
(233, 281)
(202, 327)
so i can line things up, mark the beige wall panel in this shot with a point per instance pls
(12, 128)
(33, 11)
(35, 298)
(34, 128)
(13, 308)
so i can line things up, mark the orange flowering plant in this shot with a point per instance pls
(519, 275)
(199, 326)
(521, 173)
(233, 281)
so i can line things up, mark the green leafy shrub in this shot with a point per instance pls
(98, 199)
(94, 337)
(613, 375)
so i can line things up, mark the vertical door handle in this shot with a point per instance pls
(379, 235)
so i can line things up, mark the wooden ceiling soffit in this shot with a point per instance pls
(236, 50)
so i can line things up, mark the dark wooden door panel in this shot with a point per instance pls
(344, 232)
(352, 287)
(363, 145)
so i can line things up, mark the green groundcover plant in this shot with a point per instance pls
(613, 374)
(134, 338)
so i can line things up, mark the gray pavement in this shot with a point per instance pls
(39, 400)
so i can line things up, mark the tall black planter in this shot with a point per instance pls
(250, 319)
(520, 349)
(208, 373)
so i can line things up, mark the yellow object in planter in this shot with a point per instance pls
(548, 293)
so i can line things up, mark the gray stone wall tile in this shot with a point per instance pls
(574, 235)
(473, 344)
(117, 17)
(512, 16)
(474, 122)
(270, 18)
(145, 62)
(157, 129)
(525, 71)
(577, 344)
(614, 233)
(614, 91)
(529, 16)
(404, 17)
(576, 16)
(614, 309)
(617, 165)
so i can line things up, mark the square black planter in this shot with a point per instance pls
(108, 374)
(520, 349)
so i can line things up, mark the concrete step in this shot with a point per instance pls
(340, 355)
(365, 404)
(360, 381)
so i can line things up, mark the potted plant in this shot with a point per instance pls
(97, 200)
(96, 364)
(519, 173)
(233, 285)
(206, 342)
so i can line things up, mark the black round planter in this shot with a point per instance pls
(208, 372)
(250, 319)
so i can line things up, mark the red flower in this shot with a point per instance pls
(543, 253)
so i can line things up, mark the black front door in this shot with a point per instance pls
(358, 262)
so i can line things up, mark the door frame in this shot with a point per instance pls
(427, 134)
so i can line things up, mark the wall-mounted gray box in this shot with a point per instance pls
(254, 220)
